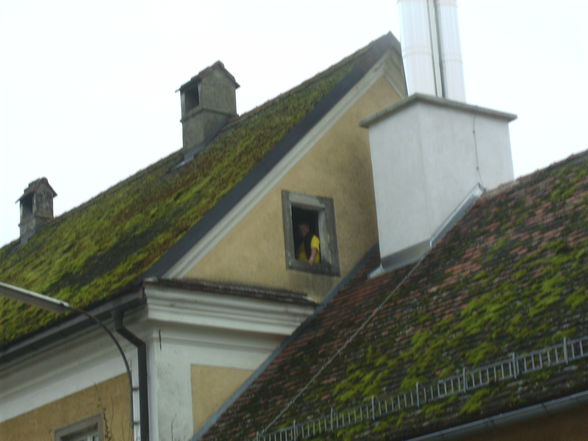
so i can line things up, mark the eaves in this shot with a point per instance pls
(70, 325)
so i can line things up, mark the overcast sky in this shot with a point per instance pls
(87, 89)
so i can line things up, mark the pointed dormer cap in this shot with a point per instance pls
(218, 66)
(36, 186)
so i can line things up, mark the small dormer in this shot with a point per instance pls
(36, 207)
(208, 103)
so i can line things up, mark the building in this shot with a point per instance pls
(448, 302)
(191, 261)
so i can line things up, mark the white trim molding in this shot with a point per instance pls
(195, 327)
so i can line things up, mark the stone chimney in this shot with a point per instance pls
(208, 103)
(36, 208)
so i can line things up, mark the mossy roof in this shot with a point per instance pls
(142, 225)
(511, 276)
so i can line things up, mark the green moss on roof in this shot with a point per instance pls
(99, 249)
(510, 277)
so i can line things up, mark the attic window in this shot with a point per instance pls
(319, 215)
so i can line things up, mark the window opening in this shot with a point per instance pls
(26, 206)
(317, 214)
(192, 97)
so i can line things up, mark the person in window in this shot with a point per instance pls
(309, 248)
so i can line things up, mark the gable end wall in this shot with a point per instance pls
(337, 166)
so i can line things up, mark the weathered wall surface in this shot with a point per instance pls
(211, 387)
(110, 399)
(338, 167)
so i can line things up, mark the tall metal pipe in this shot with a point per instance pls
(431, 49)
(417, 47)
(450, 50)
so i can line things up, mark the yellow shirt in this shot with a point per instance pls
(314, 243)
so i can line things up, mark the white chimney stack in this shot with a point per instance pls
(432, 154)
(431, 50)
(431, 158)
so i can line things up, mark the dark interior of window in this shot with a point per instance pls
(26, 206)
(300, 216)
(192, 98)
(318, 213)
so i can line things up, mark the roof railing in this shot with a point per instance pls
(465, 381)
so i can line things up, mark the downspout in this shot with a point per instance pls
(142, 361)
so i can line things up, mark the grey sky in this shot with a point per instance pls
(87, 88)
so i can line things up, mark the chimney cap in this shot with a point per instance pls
(416, 98)
(34, 186)
(205, 72)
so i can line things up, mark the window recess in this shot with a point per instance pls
(319, 213)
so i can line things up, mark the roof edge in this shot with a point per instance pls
(69, 325)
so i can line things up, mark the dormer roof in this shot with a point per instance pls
(205, 72)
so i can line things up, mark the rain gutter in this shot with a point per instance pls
(508, 418)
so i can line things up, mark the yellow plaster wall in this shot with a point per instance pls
(211, 387)
(110, 398)
(566, 426)
(339, 167)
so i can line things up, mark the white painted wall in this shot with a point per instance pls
(198, 328)
(180, 329)
(427, 155)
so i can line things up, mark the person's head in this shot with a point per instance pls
(303, 229)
